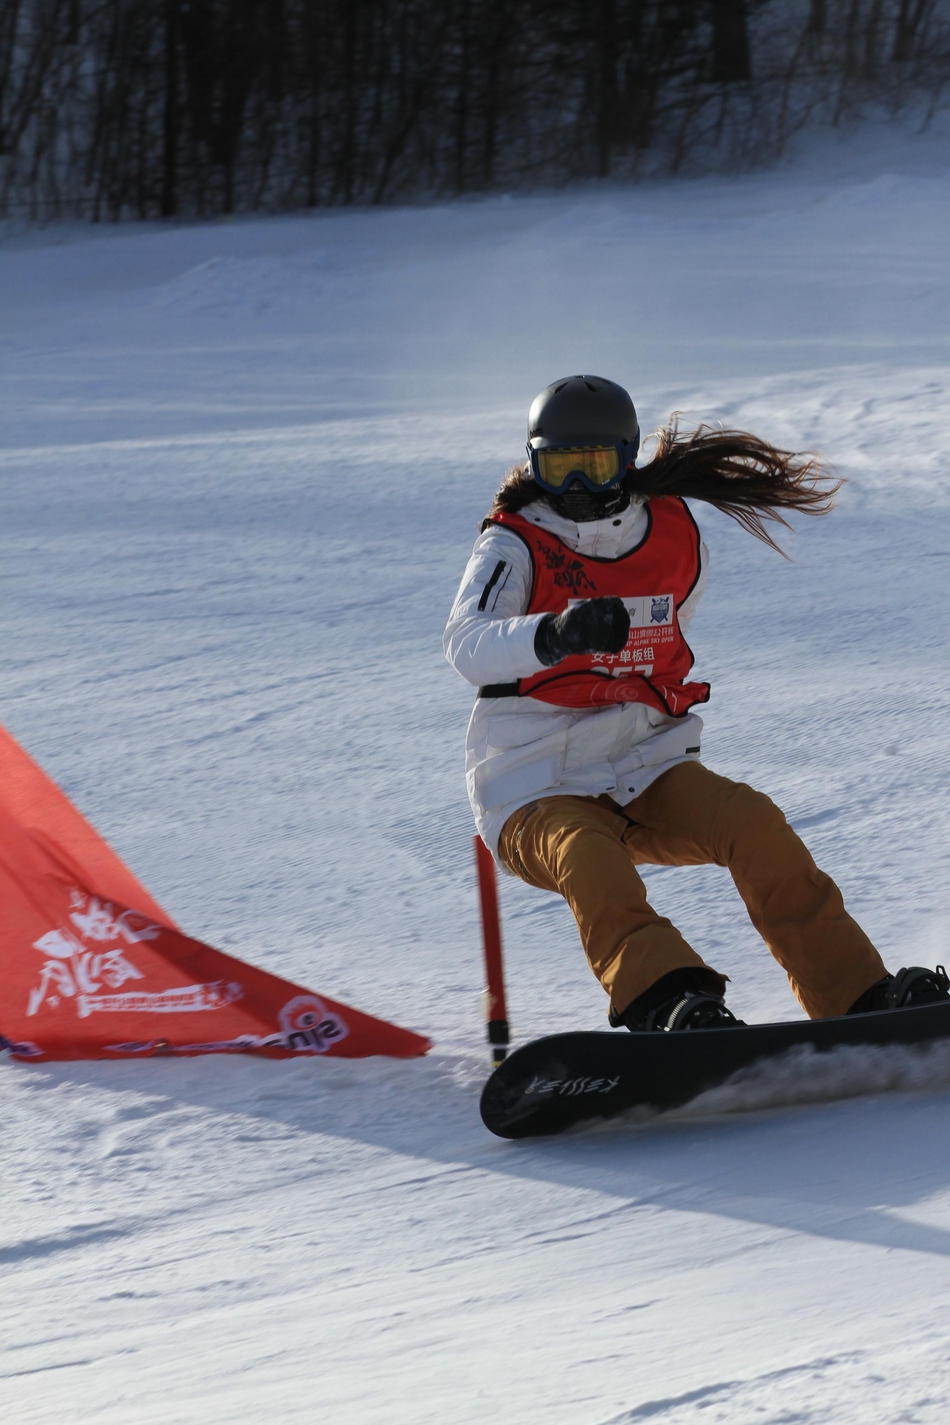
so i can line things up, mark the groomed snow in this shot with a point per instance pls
(241, 467)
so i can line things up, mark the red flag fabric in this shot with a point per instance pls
(93, 968)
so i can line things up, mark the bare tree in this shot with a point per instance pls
(133, 108)
(912, 18)
(731, 51)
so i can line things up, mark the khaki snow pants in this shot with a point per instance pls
(587, 848)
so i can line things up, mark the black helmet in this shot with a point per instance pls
(580, 411)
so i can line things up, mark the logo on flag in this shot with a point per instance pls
(87, 977)
(309, 1026)
(76, 971)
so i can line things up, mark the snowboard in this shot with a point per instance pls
(552, 1083)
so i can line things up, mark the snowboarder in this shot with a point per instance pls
(582, 754)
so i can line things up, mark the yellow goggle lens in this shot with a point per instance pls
(599, 466)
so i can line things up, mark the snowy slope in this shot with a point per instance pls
(241, 467)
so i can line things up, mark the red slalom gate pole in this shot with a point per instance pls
(496, 1011)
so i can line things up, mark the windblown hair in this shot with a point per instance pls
(745, 477)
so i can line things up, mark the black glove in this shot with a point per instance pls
(592, 626)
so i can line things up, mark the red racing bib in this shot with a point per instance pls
(653, 581)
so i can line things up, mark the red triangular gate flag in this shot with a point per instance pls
(93, 968)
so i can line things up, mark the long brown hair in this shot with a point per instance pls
(742, 475)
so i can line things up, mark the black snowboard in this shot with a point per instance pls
(552, 1083)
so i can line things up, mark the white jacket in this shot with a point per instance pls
(520, 749)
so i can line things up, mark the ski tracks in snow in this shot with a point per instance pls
(242, 468)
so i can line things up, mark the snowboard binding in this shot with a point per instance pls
(682, 999)
(912, 986)
(917, 985)
(696, 1011)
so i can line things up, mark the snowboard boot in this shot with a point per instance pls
(680, 1000)
(913, 986)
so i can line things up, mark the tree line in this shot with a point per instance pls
(115, 109)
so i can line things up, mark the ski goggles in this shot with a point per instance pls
(598, 467)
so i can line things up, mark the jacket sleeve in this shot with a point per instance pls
(690, 604)
(489, 638)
